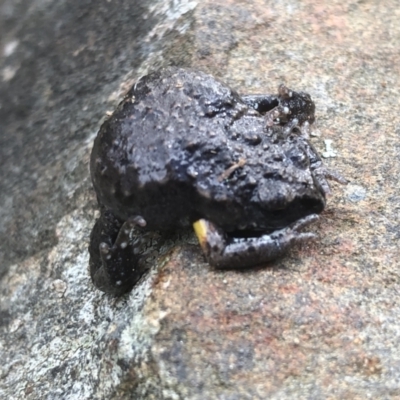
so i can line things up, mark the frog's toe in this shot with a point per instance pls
(274, 116)
(287, 237)
(211, 238)
(304, 237)
(290, 126)
(304, 222)
(284, 91)
(104, 249)
(126, 231)
(323, 174)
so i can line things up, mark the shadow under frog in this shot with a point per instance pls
(183, 148)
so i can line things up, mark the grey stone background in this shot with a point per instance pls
(319, 323)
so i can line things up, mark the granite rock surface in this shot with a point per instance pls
(320, 323)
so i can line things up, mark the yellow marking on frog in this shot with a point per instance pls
(200, 228)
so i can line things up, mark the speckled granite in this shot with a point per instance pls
(320, 323)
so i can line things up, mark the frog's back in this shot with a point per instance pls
(183, 146)
(140, 160)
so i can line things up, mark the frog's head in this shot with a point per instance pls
(287, 188)
(285, 202)
(297, 105)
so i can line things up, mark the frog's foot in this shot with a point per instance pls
(323, 174)
(285, 107)
(284, 92)
(293, 125)
(222, 251)
(117, 266)
(274, 116)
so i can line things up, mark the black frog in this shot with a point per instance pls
(183, 148)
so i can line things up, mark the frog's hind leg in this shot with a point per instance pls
(116, 251)
(222, 251)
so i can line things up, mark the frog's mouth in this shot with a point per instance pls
(275, 219)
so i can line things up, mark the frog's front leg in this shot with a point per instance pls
(224, 252)
(116, 251)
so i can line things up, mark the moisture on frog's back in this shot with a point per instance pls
(168, 114)
(150, 140)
